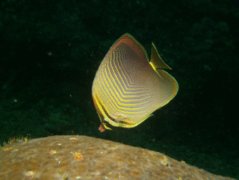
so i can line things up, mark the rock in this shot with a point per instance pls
(82, 157)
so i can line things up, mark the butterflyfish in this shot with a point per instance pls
(128, 86)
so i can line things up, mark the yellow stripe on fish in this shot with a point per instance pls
(128, 87)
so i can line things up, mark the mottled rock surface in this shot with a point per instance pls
(82, 157)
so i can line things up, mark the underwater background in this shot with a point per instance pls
(50, 51)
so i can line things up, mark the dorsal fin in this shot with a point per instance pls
(156, 60)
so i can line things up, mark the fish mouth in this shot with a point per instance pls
(101, 128)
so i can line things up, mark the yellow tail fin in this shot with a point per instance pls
(156, 60)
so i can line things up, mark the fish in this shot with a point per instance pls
(128, 86)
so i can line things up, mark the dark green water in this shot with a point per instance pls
(50, 51)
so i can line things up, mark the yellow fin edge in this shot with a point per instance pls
(156, 60)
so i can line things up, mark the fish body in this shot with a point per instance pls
(128, 87)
